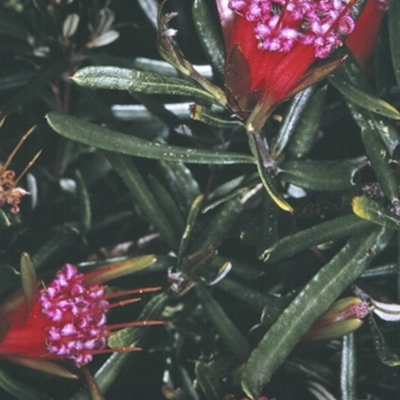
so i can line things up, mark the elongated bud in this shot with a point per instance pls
(343, 317)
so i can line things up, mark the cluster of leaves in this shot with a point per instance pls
(154, 164)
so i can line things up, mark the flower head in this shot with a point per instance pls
(271, 45)
(64, 320)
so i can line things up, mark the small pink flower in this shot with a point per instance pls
(271, 45)
(65, 320)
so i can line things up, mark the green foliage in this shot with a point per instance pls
(254, 236)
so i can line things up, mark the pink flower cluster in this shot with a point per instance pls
(77, 312)
(280, 24)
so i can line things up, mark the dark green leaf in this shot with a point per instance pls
(312, 301)
(386, 354)
(19, 390)
(181, 183)
(379, 160)
(348, 369)
(254, 298)
(28, 278)
(167, 204)
(319, 175)
(138, 81)
(269, 224)
(233, 338)
(190, 223)
(221, 224)
(332, 230)
(140, 192)
(106, 375)
(350, 71)
(107, 139)
(156, 108)
(267, 172)
(84, 209)
(372, 211)
(306, 130)
(205, 115)
(208, 381)
(150, 8)
(361, 98)
(293, 114)
(4, 221)
(209, 34)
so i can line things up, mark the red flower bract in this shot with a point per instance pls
(67, 319)
(272, 43)
(362, 40)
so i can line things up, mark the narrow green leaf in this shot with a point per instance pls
(180, 182)
(17, 80)
(239, 269)
(221, 224)
(361, 98)
(121, 268)
(332, 230)
(156, 108)
(205, 115)
(306, 130)
(29, 283)
(191, 219)
(269, 224)
(115, 78)
(168, 205)
(274, 307)
(208, 381)
(292, 116)
(318, 175)
(267, 174)
(394, 34)
(4, 221)
(84, 209)
(106, 375)
(230, 190)
(42, 365)
(209, 34)
(233, 338)
(107, 139)
(126, 168)
(386, 354)
(150, 8)
(379, 160)
(348, 369)
(255, 298)
(19, 390)
(372, 211)
(381, 125)
(312, 301)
